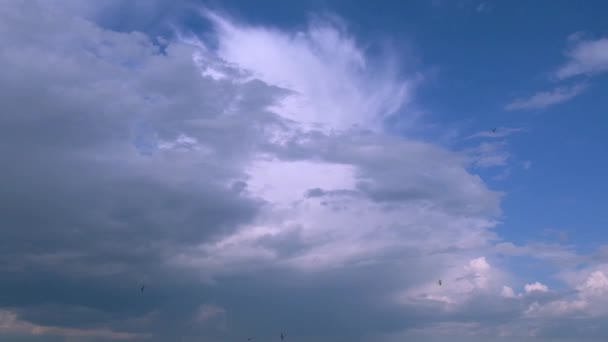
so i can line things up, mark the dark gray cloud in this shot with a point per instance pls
(393, 170)
(86, 217)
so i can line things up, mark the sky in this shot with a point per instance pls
(311, 168)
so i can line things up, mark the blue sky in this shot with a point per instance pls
(310, 167)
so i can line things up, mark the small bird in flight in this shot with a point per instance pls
(494, 130)
(142, 288)
(281, 336)
(439, 282)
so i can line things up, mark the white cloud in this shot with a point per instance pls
(536, 287)
(334, 84)
(552, 309)
(507, 292)
(500, 132)
(547, 99)
(182, 142)
(586, 57)
(489, 154)
(385, 194)
(286, 182)
(596, 284)
(559, 254)
(462, 283)
(590, 299)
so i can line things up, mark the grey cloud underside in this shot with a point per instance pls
(85, 219)
(393, 170)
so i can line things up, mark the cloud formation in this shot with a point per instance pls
(585, 57)
(500, 132)
(248, 184)
(334, 85)
(547, 99)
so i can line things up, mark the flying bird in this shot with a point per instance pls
(281, 336)
(439, 282)
(142, 288)
(494, 130)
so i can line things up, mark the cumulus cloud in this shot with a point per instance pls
(588, 302)
(536, 287)
(460, 286)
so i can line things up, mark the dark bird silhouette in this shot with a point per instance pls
(439, 282)
(281, 336)
(494, 130)
(142, 288)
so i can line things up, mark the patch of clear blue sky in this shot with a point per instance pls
(484, 60)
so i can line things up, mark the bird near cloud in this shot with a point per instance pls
(497, 132)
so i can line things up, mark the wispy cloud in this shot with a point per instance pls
(500, 132)
(484, 7)
(547, 99)
(334, 83)
(489, 154)
(586, 57)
